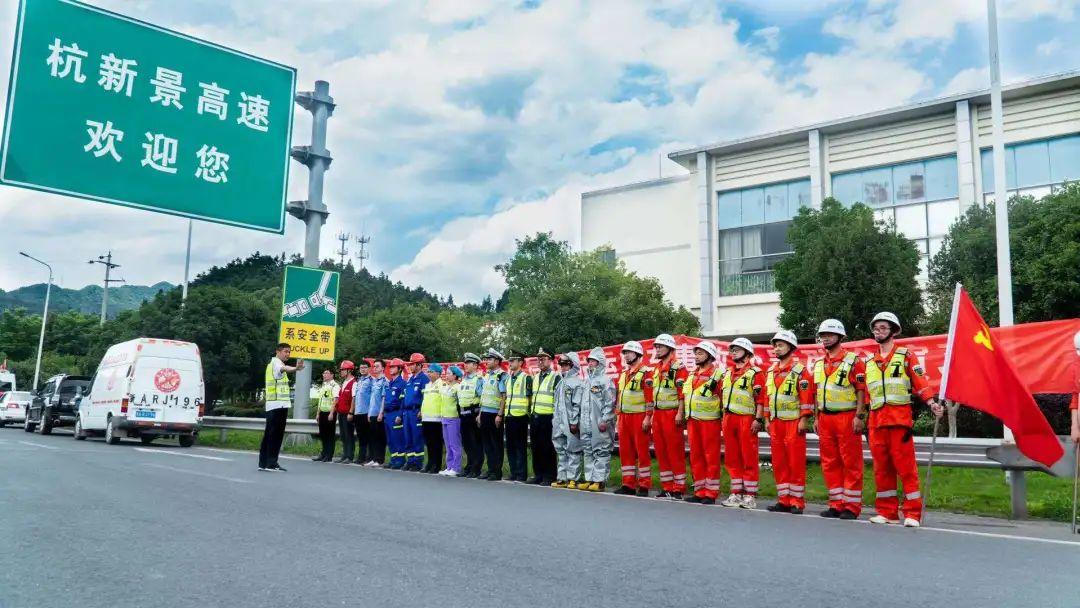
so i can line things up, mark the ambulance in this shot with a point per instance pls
(146, 388)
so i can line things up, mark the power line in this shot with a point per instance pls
(106, 261)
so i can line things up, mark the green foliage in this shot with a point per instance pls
(1045, 242)
(846, 266)
(396, 332)
(561, 300)
(85, 300)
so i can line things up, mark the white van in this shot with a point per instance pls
(145, 388)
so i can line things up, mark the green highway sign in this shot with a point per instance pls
(109, 108)
(309, 307)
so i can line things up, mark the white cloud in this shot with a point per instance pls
(769, 37)
(1050, 47)
(970, 79)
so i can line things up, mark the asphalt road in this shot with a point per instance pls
(88, 524)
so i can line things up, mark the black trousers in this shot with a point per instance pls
(348, 448)
(363, 438)
(377, 439)
(543, 451)
(492, 438)
(433, 443)
(326, 435)
(470, 442)
(517, 446)
(273, 435)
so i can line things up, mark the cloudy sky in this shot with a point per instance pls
(464, 124)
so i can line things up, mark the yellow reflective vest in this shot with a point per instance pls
(666, 386)
(448, 398)
(784, 399)
(517, 398)
(544, 397)
(836, 393)
(703, 402)
(632, 390)
(431, 406)
(277, 389)
(739, 392)
(891, 385)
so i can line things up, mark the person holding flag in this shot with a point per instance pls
(1074, 401)
(893, 374)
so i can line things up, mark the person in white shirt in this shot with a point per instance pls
(278, 400)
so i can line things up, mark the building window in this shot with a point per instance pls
(753, 225)
(607, 255)
(1034, 167)
(920, 198)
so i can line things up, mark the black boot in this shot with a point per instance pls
(624, 491)
(643, 492)
(779, 508)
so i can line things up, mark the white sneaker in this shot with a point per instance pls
(733, 500)
(881, 519)
(748, 502)
(450, 473)
(911, 522)
(444, 472)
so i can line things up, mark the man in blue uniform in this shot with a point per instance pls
(393, 414)
(492, 400)
(414, 398)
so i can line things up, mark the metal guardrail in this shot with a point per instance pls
(960, 452)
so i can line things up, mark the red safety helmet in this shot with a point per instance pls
(346, 364)
(395, 362)
(417, 358)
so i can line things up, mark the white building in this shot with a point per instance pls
(716, 233)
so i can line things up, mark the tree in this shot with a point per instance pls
(849, 267)
(1045, 242)
(395, 332)
(561, 300)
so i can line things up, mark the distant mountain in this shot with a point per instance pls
(87, 299)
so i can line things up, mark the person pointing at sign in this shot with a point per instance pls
(278, 400)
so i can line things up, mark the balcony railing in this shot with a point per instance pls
(747, 283)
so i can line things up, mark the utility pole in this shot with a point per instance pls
(362, 255)
(187, 264)
(44, 318)
(1017, 482)
(106, 261)
(342, 251)
(317, 159)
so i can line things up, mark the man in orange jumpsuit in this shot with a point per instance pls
(700, 410)
(634, 404)
(744, 404)
(840, 383)
(893, 374)
(669, 376)
(789, 405)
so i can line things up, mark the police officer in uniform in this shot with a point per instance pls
(469, 391)
(546, 384)
(519, 396)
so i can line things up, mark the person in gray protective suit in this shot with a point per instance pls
(565, 424)
(597, 422)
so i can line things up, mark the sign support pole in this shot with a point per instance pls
(313, 211)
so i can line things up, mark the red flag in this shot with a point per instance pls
(979, 374)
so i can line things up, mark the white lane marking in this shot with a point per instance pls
(1051, 541)
(227, 451)
(40, 445)
(196, 473)
(172, 453)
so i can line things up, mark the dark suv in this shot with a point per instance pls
(55, 404)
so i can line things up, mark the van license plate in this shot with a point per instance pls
(145, 413)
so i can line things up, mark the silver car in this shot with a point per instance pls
(13, 406)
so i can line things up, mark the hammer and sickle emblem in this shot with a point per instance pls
(983, 338)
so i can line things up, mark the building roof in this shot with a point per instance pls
(881, 117)
(637, 185)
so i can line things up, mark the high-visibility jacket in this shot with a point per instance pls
(668, 385)
(703, 398)
(891, 385)
(448, 399)
(544, 397)
(836, 393)
(784, 402)
(634, 393)
(431, 406)
(738, 393)
(327, 398)
(466, 389)
(517, 394)
(277, 389)
(489, 396)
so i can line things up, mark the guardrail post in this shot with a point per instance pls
(1018, 494)
(223, 435)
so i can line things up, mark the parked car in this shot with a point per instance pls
(54, 404)
(7, 381)
(13, 406)
(146, 388)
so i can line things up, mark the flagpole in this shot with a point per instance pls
(929, 470)
(1076, 477)
(941, 393)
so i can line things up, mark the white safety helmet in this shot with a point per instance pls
(831, 326)
(785, 335)
(1076, 342)
(744, 344)
(633, 346)
(709, 348)
(887, 316)
(668, 341)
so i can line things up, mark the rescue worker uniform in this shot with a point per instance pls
(361, 423)
(634, 403)
(669, 376)
(702, 412)
(414, 434)
(469, 390)
(377, 428)
(493, 391)
(394, 421)
(328, 394)
(451, 424)
(519, 392)
(598, 407)
(789, 398)
(743, 390)
(890, 382)
(431, 421)
(540, 426)
(569, 396)
(342, 408)
(837, 381)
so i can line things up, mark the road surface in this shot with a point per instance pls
(88, 524)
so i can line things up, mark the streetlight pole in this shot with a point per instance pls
(106, 260)
(44, 317)
(187, 264)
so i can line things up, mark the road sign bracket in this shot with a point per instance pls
(300, 209)
(307, 156)
(310, 99)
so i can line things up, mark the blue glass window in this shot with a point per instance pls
(925, 180)
(798, 197)
(729, 212)
(776, 205)
(941, 179)
(753, 207)
(1032, 164)
(1065, 159)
